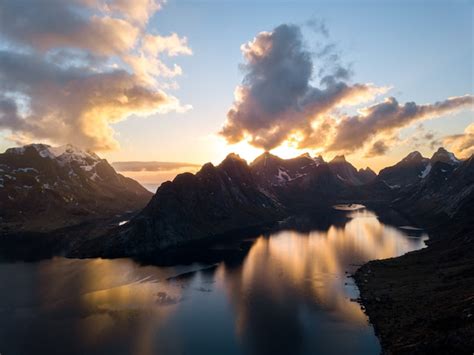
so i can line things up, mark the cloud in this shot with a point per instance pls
(462, 144)
(276, 99)
(150, 166)
(278, 102)
(386, 117)
(377, 148)
(70, 69)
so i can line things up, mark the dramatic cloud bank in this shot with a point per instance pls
(276, 99)
(70, 69)
(278, 102)
(462, 144)
(386, 117)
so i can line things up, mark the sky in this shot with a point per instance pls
(191, 81)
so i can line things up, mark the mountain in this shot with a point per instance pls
(421, 302)
(214, 201)
(366, 175)
(414, 167)
(408, 171)
(44, 188)
(298, 183)
(347, 173)
(271, 171)
(445, 194)
(442, 155)
(232, 196)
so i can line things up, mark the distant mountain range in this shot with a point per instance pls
(414, 167)
(44, 188)
(235, 195)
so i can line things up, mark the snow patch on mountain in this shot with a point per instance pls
(425, 172)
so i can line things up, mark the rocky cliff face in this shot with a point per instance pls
(215, 200)
(345, 171)
(414, 168)
(233, 195)
(408, 171)
(44, 188)
(445, 194)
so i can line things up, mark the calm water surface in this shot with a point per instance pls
(289, 295)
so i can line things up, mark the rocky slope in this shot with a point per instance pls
(216, 200)
(444, 195)
(346, 172)
(414, 168)
(423, 302)
(307, 182)
(220, 199)
(44, 188)
(408, 171)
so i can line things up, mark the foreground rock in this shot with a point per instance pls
(423, 302)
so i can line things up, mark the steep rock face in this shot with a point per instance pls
(407, 172)
(366, 175)
(421, 302)
(271, 171)
(43, 188)
(216, 200)
(345, 171)
(447, 193)
(304, 182)
(443, 156)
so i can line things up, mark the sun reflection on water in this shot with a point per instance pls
(290, 293)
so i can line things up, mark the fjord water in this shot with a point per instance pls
(289, 294)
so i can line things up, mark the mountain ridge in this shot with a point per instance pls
(263, 191)
(44, 188)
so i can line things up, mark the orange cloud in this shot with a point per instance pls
(278, 102)
(462, 144)
(385, 118)
(75, 67)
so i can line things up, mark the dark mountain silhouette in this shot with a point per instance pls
(43, 188)
(346, 172)
(421, 302)
(408, 171)
(216, 200)
(445, 194)
(367, 175)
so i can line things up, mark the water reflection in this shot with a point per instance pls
(290, 294)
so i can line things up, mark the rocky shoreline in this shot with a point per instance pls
(423, 302)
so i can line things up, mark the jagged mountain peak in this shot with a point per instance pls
(444, 156)
(366, 169)
(50, 187)
(413, 156)
(64, 154)
(338, 159)
(265, 158)
(233, 159)
(319, 159)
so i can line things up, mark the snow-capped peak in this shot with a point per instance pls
(65, 154)
(71, 153)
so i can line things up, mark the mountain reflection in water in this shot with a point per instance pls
(290, 295)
